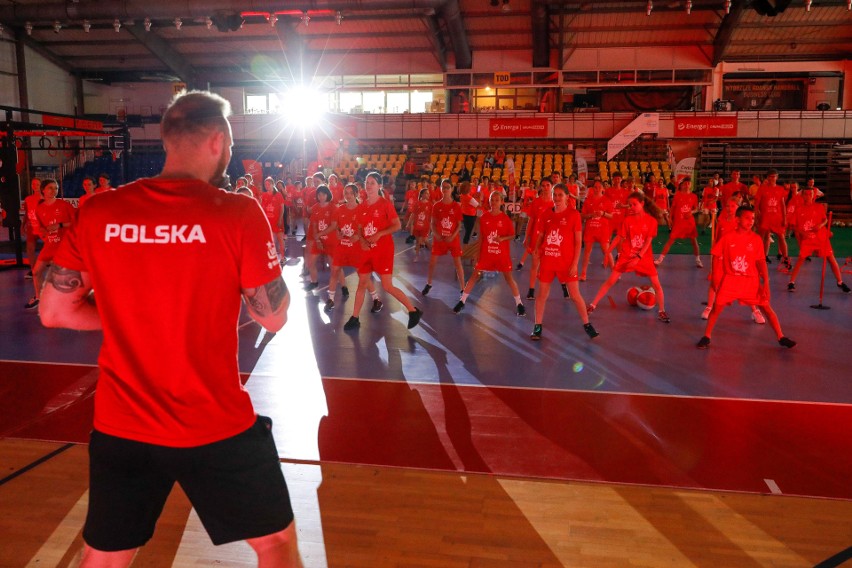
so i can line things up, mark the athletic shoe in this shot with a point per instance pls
(531, 294)
(758, 318)
(583, 277)
(843, 287)
(329, 305)
(703, 343)
(28, 275)
(311, 286)
(303, 239)
(664, 317)
(786, 342)
(458, 307)
(590, 330)
(31, 304)
(353, 323)
(590, 308)
(426, 289)
(778, 256)
(791, 287)
(345, 291)
(659, 260)
(565, 293)
(520, 266)
(414, 317)
(787, 264)
(706, 313)
(377, 306)
(808, 259)
(698, 263)
(520, 310)
(768, 260)
(410, 239)
(536, 333)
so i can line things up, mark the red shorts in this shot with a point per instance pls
(29, 230)
(421, 232)
(597, 235)
(642, 266)
(818, 245)
(771, 225)
(328, 247)
(348, 255)
(684, 229)
(494, 263)
(378, 259)
(440, 248)
(47, 252)
(744, 289)
(548, 273)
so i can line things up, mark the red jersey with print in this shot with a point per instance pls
(336, 190)
(635, 232)
(295, 196)
(815, 237)
(271, 203)
(725, 225)
(618, 196)
(597, 206)
(661, 197)
(528, 195)
(709, 199)
(411, 198)
(537, 210)
(378, 217)
(84, 198)
(422, 213)
(321, 218)
(169, 258)
(771, 202)
(347, 224)
(446, 218)
(494, 253)
(467, 204)
(794, 204)
(60, 211)
(559, 245)
(32, 202)
(740, 251)
(683, 204)
(729, 189)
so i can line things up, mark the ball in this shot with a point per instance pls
(632, 294)
(647, 298)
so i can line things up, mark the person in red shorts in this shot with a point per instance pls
(377, 223)
(727, 190)
(726, 223)
(770, 206)
(55, 217)
(88, 191)
(558, 248)
(815, 238)
(446, 225)
(617, 194)
(323, 238)
(469, 208)
(32, 228)
(420, 223)
(740, 274)
(635, 254)
(660, 194)
(272, 203)
(494, 256)
(684, 208)
(347, 250)
(411, 197)
(709, 204)
(540, 205)
(172, 258)
(597, 212)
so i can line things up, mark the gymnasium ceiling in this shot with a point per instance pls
(107, 40)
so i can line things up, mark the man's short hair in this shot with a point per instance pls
(103, 175)
(195, 113)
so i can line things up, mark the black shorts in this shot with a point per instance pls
(235, 485)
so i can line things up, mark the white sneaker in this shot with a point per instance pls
(706, 313)
(758, 318)
(659, 260)
(698, 262)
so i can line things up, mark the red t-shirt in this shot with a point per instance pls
(309, 196)
(422, 216)
(770, 202)
(294, 194)
(559, 244)
(377, 217)
(168, 259)
(467, 207)
(729, 189)
(493, 226)
(321, 218)
(618, 196)
(271, 203)
(634, 232)
(683, 204)
(347, 224)
(740, 251)
(60, 211)
(661, 197)
(725, 225)
(411, 198)
(593, 205)
(32, 202)
(446, 217)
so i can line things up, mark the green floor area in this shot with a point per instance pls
(841, 242)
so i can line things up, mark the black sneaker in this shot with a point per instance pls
(33, 303)
(791, 287)
(590, 330)
(377, 306)
(664, 317)
(536, 332)
(303, 239)
(520, 310)
(786, 342)
(410, 239)
(843, 287)
(414, 317)
(808, 259)
(353, 323)
(703, 343)
(520, 266)
(565, 293)
(329, 305)
(345, 291)
(28, 275)
(778, 256)
(426, 289)
(768, 260)
(531, 294)
(458, 307)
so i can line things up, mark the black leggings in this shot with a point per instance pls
(468, 221)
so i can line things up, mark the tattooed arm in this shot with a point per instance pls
(268, 304)
(66, 300)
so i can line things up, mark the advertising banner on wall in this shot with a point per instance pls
(517, 128)
(774, 94)
(705, 127)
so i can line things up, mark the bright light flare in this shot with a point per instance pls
(303, 106)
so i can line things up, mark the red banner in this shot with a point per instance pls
(517, 128)
(705, 127)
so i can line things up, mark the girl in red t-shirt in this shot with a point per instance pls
(272, 203)
(54, 217)
(322, 239)
(684, 208)
(597, 212)
(411, 198)
(635, 254)
(420, 222)
(815, 238)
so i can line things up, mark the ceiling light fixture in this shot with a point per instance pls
(273, 19)
(116, 25)
(338, 17)
(147, 24)
(649, 8)
(506, 7)
(688, 6)
(305, 19)
(56, 26)
(727, 6)
(87, 25)
(178, 23)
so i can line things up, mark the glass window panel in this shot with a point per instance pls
(374, 102)
(256, 104)
(458, 79)
(351, 102)
(421, 101)
(580, 76)
(398, 102)
(692, 75)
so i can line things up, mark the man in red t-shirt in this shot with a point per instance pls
(169, 405)
(770, 205)
(734, 186)
(32, 230)
(446, 224)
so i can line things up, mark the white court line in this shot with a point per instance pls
(773, 487)
(57, 545)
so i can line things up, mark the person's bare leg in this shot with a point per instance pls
(541, 301)
(387, 284)
(91, 558)
(459, 271)
(277, 550)
(579, 302)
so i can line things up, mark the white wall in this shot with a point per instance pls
(8, 72)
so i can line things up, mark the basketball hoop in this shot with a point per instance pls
(116, 154)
